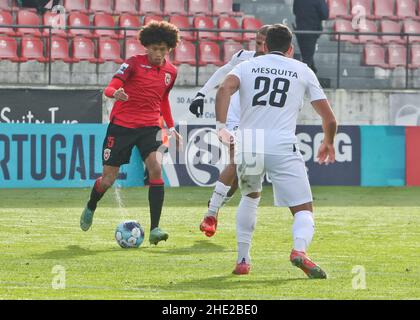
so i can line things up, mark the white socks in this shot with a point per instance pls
(246, 218)
(218, 199)
(303, 230)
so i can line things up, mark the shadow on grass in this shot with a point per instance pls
(72, 252)
(201, 246)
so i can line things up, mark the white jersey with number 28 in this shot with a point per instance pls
(272, 89)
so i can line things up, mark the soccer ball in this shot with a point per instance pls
(129, 234)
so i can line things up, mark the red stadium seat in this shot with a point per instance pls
(224, 7)
(173, 7)
(25, 17)
(109, 50)
(182, 22)
(75, 5)
(406, 9)
(150, 6)
(5, 5)
(374, 55)
(384, 9)
(133, 48)
(415, 56)
(338, 9)
(388, 26)
(129, 21)
(341, 25)
(250, 24)
(6, 18)
(104, 20)
(59, 49)
(100, 6)
(361, 8)
(8, 49)
(397, 55)
(229, 23)
(125, 6)
(49, 19)
(79, 20)
(83, 50)
(202, 22)
(229, 49)
(410, 26)
(184, 53)
(198, 6)
(369, 26)
(209, 53)
(150, 18)
(32, 49)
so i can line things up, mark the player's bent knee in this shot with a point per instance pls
(302, 207)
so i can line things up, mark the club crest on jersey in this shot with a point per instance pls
(122, 69)
(168, 78)
(107, 154)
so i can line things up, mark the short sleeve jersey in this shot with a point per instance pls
(147, 86)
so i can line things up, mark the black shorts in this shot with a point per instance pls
(119, 143)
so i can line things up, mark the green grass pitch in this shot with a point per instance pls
(375, 228)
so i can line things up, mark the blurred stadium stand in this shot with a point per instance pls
(95, 38)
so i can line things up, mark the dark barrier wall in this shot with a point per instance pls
(50, 106)
(413, 156)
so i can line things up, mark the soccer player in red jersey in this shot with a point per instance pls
(141, 89)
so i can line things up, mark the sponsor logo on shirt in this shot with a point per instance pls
(145, 66)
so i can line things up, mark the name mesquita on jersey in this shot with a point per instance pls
(276, 72)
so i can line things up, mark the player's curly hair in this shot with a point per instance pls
(156, 32)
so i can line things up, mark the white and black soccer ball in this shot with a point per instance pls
(129, 234)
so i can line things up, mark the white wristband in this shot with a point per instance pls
(220, 125)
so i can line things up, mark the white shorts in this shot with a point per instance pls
(232, 126)
(287, 172)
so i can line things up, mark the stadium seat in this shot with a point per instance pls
(83, 50)
(59, 49)
(361, 7)
(133, 48)
(397, 55)
(109, 50)
(338, 9)
(100, 6)
(75, 5)
(182, 22)
(415, 56)
(229, 49)
(150, 6)
(173, 7)
(406, 9)
(384, 9)
(125, 6)
(203, 22)
(77, 19)
(209, 53)
(369, 26)
(104, 20)
(48, 19)
(8, 49)
(229, 23)
(224, 7)
(129, 21)
(184, 53)
(25, 17)
(149, 18)
(5, 5)
(410, 26)
(6, 18)
(388, 26)
(250, 24)
(374, 55)
(198, 6)
(341, 25)
(32, 49)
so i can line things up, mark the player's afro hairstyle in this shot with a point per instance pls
(157, 32)
(279, 38)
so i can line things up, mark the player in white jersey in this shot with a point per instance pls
(227, 183)
(271, 90)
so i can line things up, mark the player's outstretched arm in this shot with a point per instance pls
(115, 90)
(326, 152)
(197, 105)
